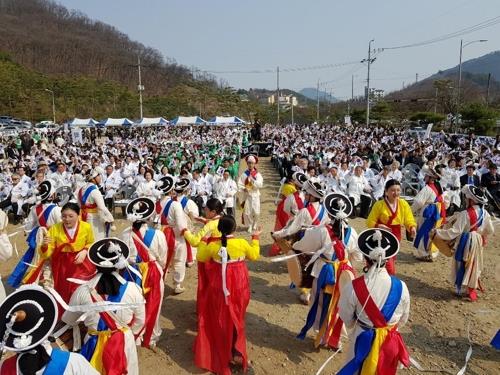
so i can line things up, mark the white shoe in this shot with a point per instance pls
(250, 230)
(179, 289)
(304, 298)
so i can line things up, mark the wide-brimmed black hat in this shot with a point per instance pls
(165, 184)
(314, 188)
(36, 317)
(299, 178)
(376, 243)
(475, 193)
(108, 252)
(45, 190)
(181, 185)
(338, 205)
(140, 209)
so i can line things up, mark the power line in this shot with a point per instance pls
(286, 70)
(482, 25)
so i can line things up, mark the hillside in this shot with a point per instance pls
(489, 63)
(312, 93)
(47, 37)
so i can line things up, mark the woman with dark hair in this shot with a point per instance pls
(392, 213)
(221, 339)
(147, 188)
(66, 245)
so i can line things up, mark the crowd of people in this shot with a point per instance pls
(180, 189)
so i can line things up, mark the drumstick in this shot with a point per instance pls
(286, 257)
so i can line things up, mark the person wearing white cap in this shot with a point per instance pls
(313, 214)
(469, 233)
(148, 251)
(172, 219)
(249, 185)
(93, 208)
(109, 344)
(375, 305)
(335, 249)
(29, 315)
(430, 206)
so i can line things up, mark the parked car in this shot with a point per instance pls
(9, 131)
(46, 126)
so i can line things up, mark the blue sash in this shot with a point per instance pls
(326, 277)
(148, 238)
(184, 202)
(58, 362)
(16, 277)
(47, 211)
(496, 341)
(86, 195)
(347, 235)
(364, 341)
(166, 209)
(321, 214)
(431, 215)
(89, 347)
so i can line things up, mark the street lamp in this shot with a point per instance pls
(462, 46)
(53, 105)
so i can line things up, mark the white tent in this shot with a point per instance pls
(152, 121)
(222, 120)
(190, 120)
(115, 122)
(83, 122)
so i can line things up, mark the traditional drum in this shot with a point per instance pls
(286, 243)
(64, 336)
(444, 247)
(296, 269)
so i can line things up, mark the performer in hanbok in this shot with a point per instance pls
(148, 253)
(173, 220)
(392, 213)
(249, 185)
(109, 344)
(93, 208)
(28, 317)
(335, 249)
(191, 211)
(221, 341)
(468, 233)
(430, 207)
(43, 215)
(5, 247)
(375, 305)
(292, 202)
(313, 215)
(65, 246)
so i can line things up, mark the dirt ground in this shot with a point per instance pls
(436, 333)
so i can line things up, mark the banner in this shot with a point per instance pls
(76, 135)
(428, 131)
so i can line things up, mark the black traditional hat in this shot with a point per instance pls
(181, 185)
(140, 209)
(338, 205)
(299, 178)
(165, 184)
(108, 252)
(33, 312)
(45, 190)
(378, 244)
(475, 193)
(314, 188)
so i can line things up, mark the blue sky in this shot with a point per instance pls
(224, 35)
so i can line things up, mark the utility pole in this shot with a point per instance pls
(53, 105)
(416, 77)
(436, 101)
(352, 87)
(140, 87)
(317, 104)
(278, 91)
(292, 110)
(368, 83)
(488, 90)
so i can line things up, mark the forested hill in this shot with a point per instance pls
(49, 38)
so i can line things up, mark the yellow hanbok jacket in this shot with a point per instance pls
(288, 189)
(194, 239)
(381, 213)
(83, 238)
(237, 248)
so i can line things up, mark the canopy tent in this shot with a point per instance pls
(83, 122)
(152, 121)
(221, 120)
(191, 120)
(115, 122)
